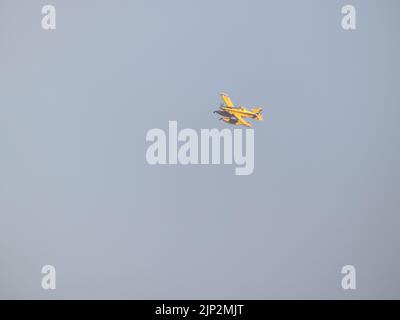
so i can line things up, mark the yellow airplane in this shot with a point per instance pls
(235, 115)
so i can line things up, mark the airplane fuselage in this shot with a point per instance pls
(241, 111)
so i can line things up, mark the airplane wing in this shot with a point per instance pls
(240, 120)
(227, 100)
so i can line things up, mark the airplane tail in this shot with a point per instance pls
(258, 112)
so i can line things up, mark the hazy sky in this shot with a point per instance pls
(76, 191)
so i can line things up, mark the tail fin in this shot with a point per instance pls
(258, 113)
(256, 110)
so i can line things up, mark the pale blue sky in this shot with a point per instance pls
(77, 193)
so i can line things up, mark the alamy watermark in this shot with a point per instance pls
(49, 18)
(195, 147)
(49, 278)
